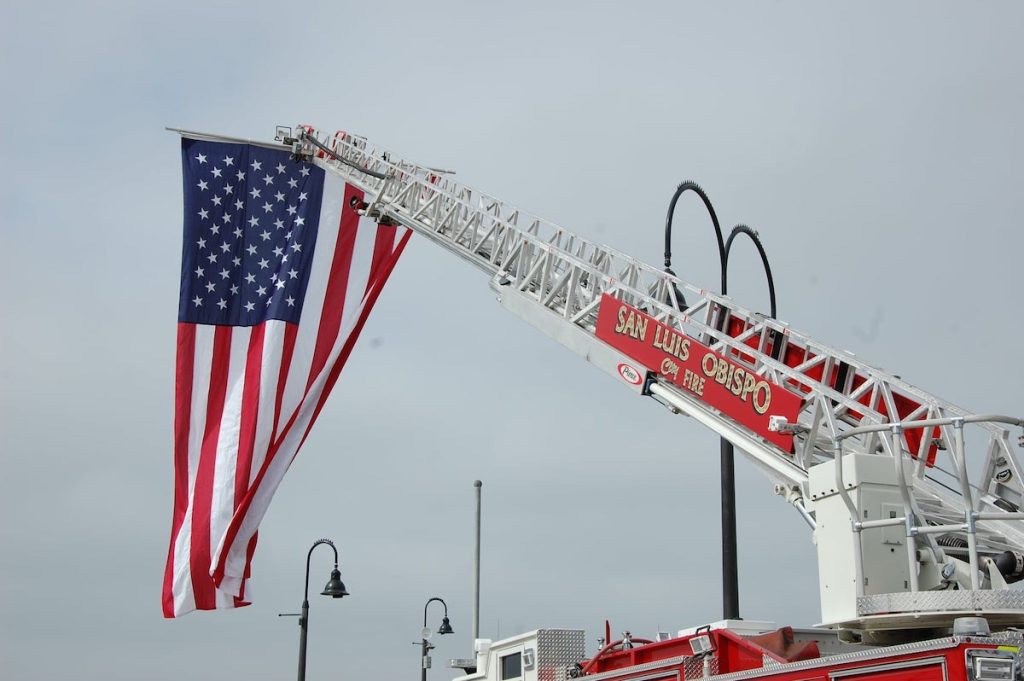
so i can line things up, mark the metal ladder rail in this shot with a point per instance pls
(491, 206)
(525, 245)
(1018, 536)
(917, 525)
(567, 274)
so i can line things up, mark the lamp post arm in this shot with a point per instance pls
(318, 542)
(680, 190)
(743, 229)
(435, 598)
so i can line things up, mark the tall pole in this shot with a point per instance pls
(477, 485)
(303, 628)
(425, 645)
(730, 572)
(730, 558)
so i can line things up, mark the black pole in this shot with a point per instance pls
(730, 570)
(303, 628)
(304, 617)
(730, 557)
(477, 484)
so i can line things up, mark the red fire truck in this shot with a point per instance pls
(919, 537)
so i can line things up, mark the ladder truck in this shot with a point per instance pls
(918, 544)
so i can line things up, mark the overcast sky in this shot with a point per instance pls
(876, 147)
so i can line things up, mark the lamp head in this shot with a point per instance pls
(446, 627)
(335, 587)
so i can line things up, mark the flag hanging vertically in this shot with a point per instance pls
(278, 276)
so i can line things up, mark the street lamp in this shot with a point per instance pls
(335, 589)
(730, 557)
(425, 647)
(730, 576)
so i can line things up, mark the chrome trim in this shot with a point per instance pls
(650, 677)
(649, 666)
(893, 666)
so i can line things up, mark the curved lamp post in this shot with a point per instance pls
(335, 589)
(730, 579)
(743, 229)
(425, 647)
(730, 572)
(692, 186)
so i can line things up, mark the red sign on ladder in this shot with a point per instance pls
(729, 387)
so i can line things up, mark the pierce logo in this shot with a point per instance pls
(629, 374)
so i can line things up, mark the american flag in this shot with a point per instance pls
(278, 276)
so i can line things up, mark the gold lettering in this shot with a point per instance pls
(641, 328)
(671, 342)
(737, 382)
(631, 324)
(748, 385)
(656, 343)
(622, 320)
(709, 371)
(684, 350)
(762, 397)
(663, 340)
(722, 375)
(693, 382)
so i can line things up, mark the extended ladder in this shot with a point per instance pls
(556, 280)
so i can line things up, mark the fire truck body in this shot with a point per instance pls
(727, 653)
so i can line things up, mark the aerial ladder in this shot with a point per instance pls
(913, 528)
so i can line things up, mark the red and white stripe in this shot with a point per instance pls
(246, 397)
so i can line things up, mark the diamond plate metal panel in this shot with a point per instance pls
(1012, 638)
(556, 650)
(939, 601)
(693, 667)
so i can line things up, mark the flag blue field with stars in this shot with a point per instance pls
(251, 218)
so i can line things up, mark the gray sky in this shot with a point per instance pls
(876, 147)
